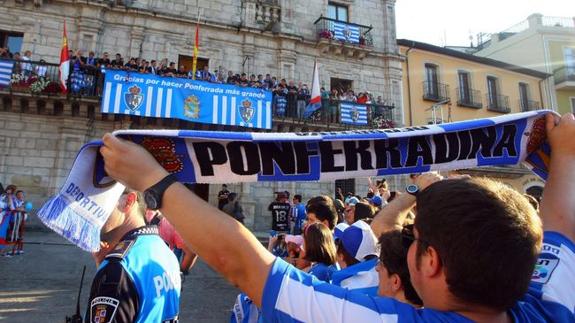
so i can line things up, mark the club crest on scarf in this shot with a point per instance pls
(192, 107)
(133, 98)
(164, 151)
(247, 111)
(538, 158)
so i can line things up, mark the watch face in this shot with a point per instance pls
(150, 201)
(412, 189)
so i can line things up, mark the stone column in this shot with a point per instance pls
(136, 39)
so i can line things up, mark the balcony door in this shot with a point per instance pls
(524, 96)
(492, 91)
(569, 56)
(337, 12)
(464, 87)
(432, 80)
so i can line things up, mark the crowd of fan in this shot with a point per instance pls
(289, 98)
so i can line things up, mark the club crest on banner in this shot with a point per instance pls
(133, 98)
(247, 110)
(354, 114)
(347, 33)
(192, 107)
(164, 151)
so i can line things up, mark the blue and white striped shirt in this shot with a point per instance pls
(294, 296)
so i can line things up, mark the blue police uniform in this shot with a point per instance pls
(139, 281)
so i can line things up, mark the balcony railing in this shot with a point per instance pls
(40, 78)
(529, 105)
(344, 32)
(498, 103)
(467, 97)
(564, 74)
(434, 91)
(379, 116)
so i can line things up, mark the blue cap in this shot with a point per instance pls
(376, 200)
(352, 201)
(339, 229)
(359, 240)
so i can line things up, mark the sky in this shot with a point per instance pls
(451, 22)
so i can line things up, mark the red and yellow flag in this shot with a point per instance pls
(196, 48)
(64, 69)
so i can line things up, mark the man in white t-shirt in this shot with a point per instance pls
(472, 252)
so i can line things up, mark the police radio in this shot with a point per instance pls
(77, 318)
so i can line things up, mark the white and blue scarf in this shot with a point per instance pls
(88, 196)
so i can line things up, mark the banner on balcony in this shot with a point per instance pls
(354, 114)
(346, 33)
(88, 195)
(149, 95)
(6, 67)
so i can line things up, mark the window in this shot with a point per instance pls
(524, 96)
(337, 12)
(188, 62)
(432, 82)
(11, 40)
(341, 84)
(569, 55)
(492, 91)
(346, 185)
(464, 86)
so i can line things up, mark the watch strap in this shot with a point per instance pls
(158, 189)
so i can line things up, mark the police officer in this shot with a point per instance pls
(138, 277)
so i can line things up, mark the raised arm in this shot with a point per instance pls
(558, 205)
(222, 242)
(393, 215)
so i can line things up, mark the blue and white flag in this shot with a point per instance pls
(149, 95)
(351, 113)
(88, 196)
(345, 32)
(6, 67)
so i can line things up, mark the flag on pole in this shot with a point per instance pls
(64, 69)
(196, 45)
(315, 101)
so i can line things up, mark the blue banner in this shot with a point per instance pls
(346, 33)
(149, 95)
(355, 114)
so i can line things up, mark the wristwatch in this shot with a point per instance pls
(153, 195)
(412, 189)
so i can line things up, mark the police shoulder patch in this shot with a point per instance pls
(103, 309)
(121, 249)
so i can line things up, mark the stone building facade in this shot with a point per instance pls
(39, 137)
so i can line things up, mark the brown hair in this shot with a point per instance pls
(319, 245)
(487, 236)
(324, 209)
(347, 258)
(363, 210)
(393, 256)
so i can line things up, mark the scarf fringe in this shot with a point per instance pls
(58, 216)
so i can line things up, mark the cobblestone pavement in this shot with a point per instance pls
(42, 285)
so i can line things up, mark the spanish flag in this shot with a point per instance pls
(196, 45)
(64, 69)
